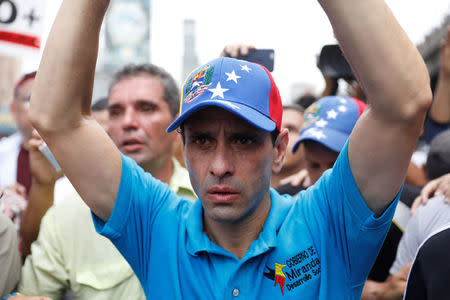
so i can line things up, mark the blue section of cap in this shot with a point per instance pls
(335, 140)
(245, 85)
(329, 121)
(247, 113)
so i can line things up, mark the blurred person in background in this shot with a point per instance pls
(438, 118)
(431, 217)
(293, 162)
(142, 100)
(10, 262)
(14, 158)
(15, 173)
(99, 111)
(327, 125)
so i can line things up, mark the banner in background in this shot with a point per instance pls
(21, 26)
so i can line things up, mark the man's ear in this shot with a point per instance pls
(279, 151)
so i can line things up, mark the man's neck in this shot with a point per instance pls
(236, 237)
(161, 169)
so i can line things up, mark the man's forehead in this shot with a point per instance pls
(210, 118)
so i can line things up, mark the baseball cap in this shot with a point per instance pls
(243, 88)
(329, 121)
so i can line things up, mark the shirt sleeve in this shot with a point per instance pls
(9, 256)
(44, 272)
(353, 235)
(140, 199)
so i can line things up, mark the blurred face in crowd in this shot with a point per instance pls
(19, 108)
(318, 159)
(101, 116)
(138, 118)
(230, 163)
(292, 121)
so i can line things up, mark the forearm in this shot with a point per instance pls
(40, 199)
(440, 109)
(63, 88)
(386, 63)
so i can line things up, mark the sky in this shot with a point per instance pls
(296, 30)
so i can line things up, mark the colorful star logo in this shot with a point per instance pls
(277, 275)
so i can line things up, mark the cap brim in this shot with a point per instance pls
(249, 114)
(335, 140)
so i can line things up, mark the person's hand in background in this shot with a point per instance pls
(41, 169)
(436, 187)
(234, 50)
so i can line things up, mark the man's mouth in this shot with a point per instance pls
(132, 145)
(221, 194)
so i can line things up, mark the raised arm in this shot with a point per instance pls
(60, 105)
(396, 82)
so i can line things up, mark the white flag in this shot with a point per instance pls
(21, 26)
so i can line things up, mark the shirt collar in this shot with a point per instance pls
(197, 241)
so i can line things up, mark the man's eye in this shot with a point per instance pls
(114, 112)
(200, 140)
(244, 140)
(147, 107)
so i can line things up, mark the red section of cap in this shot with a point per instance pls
(361, 105)
(20, 39)
(275, 105)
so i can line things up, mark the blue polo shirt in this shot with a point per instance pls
(320, 245)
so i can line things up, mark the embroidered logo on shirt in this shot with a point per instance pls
(300, 270)
(277, 275)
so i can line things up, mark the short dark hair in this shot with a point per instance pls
(100, 104)
(21, 81)
(171, 91)
(305, 101)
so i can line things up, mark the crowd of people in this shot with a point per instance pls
(228, 192)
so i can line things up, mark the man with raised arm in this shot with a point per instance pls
(241, 238)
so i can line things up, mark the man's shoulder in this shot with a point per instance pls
(433, 215)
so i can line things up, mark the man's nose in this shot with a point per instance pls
(223, 162)
(129, 120)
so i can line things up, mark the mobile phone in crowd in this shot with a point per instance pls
(333, 63)
(264, 57)
(49, 156)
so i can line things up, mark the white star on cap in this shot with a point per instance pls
(342, 100)
(245, 68)
(318, 134)
(342, 108)
(321, 123)
(232, 76)
(218, 91)
(332, 114)
(310, 131)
